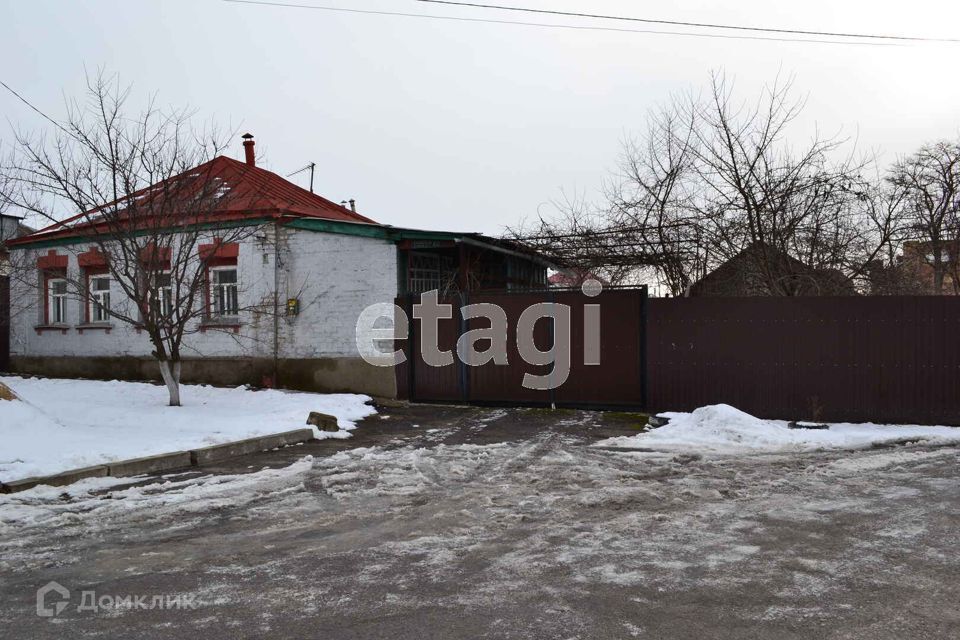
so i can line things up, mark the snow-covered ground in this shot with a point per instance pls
(539, 536)
(66, 424)
(722, 429)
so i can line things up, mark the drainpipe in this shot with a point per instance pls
(276, 303)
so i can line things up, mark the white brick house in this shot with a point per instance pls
(327, 261)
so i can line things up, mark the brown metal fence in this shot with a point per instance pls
(889, 359)
(4, 323)
(883, 359)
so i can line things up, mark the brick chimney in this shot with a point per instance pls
(248, 149)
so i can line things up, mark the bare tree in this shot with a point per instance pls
(651, 201)
(715, 178)
(149, 202)
(578, 239)
(930, 182)
(788, 204)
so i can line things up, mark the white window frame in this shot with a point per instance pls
(164, 293)
(215, 310)
(56, 301)
(98, 300)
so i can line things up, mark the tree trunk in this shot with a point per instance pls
(171, 377)
(938, 277)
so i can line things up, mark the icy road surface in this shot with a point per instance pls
(454, 523)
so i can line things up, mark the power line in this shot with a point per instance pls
(30, 104)
(574, 14)
(721, 36)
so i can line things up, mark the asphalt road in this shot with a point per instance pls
(440, 522)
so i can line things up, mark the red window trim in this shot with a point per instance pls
(52, 266)
(220, 326)
(93, 327)
(92, 259)
(220, 250)
(43, 328)
(52, 261)
(153, 257)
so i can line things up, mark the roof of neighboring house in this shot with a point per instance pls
(742, 275)
(247, 192)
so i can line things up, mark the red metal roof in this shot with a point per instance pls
(255, 189)
(250, 192)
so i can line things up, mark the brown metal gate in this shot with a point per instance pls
(617, 382)
(4, 323)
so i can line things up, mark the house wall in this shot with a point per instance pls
(916, 267)
(334, 276)
(8, 230)
(8, 227)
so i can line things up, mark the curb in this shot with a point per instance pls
(57, 480)
(150, 464)
(164, 461)
(199, 457)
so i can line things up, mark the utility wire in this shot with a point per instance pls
(575, 14)
(294, 5)
(30, 104)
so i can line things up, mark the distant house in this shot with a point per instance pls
(914, 271)
(750, 272)
(572, 278)
(10, 227)
(324, 262)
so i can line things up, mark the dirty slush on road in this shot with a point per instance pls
(461, 522)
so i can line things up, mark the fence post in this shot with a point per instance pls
(643, 347)
(464, 369)
(4, 323)
(553, 343)
(412, 347)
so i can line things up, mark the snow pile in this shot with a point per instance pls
(725, 430)
(66, 424)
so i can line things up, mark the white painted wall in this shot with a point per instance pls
(334, 276)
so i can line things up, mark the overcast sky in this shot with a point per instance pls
(472, 126)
